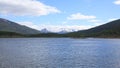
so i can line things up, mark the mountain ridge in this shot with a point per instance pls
(110, 29)
(9, 26)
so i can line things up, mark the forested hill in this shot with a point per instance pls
(111, 29)
(9, 26)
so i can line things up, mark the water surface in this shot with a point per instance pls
(59, 53)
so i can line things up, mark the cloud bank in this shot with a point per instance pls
(29, 24)
(112, 19)
(26, 7)
(55, 28)
(117, 2)
(79, 16)
(69, 28)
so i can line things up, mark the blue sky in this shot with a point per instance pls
(56, 15)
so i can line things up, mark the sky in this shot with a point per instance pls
(57, 15)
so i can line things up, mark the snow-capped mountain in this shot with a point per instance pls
(44, 30)
(63, 31)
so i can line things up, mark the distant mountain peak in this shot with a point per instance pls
(44, 30)
(63, 31)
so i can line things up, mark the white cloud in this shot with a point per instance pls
(26, 7)
(117, 2)
(79, 16)
(29, 24)
(100, 22)
(112, 19)
(95, 21)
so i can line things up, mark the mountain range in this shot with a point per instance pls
(9, 28)
(62, 31)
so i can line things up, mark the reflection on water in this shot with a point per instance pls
(59, 53)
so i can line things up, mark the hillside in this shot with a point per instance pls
(9, 26)
(111, 29)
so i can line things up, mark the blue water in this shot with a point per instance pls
(59, 53)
